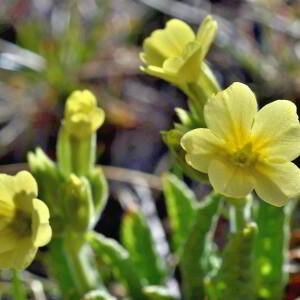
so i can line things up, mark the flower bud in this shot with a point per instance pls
(82, 116)
(78, 203)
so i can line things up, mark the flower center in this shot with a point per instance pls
(244, 157)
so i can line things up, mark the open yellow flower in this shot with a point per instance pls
(24, 221)
(82, 116)
(175, 53)
(244, 149)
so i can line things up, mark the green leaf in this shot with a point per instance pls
(99, 191)
(118, 257)
(181, 207)
(136, 237)
(235, 279)
(192, 264)
(82, 264)
(184, 117)
(271, 248)
(158, 293)
(58, 268)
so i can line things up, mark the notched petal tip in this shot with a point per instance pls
(41, 230)
(25, 182)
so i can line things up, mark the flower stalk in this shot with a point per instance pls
(18, 287)
(81, 264)
(239, 213)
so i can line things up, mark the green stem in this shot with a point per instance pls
(18, 287)
(79, 256)
(83, 154)
(239, 214)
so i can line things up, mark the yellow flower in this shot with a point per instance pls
(82, 116)
(243, 149)
(175, 53)
(24, 221)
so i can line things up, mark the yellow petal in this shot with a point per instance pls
(230, 180)
(41, 230)
(9, 239)
(200, 162)
(160, 73)
(206, 34)
(7, 189)
(167, 42)
(7, 212)
(277, 183)
(20, 257)
(229, 114)
(186, 66)
(80, 101)
(24, 182)
(201, 141)
(276, 130)
(97, 117)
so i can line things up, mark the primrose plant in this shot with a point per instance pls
(222, 140)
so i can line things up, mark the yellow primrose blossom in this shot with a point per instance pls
(82, 116)
(24, 221)
(244, 149)
(175, 53)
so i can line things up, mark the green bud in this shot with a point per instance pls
(78, 203)
(82, 116)
(184, 117)
(76, 145)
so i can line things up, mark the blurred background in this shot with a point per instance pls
(48, 48)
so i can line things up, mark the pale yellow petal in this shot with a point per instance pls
(229, 179)
(277, 183)
(276, 130)
(7, 189)
(200, 162)
(7, 212)
(167, 42)
(97, 117)
(20, 257)
(201, 141)
(187, 66)
(202, 147)
(7, 204)
(160, 73)
(229, 114)
(24, 182)
(41, 230)
(9, 239)
(206, 34)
